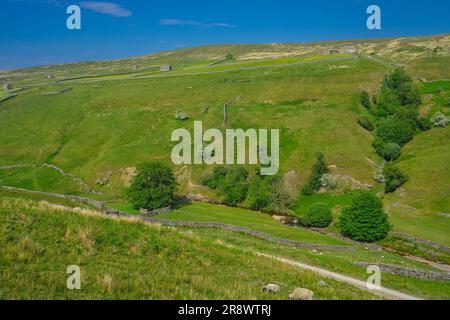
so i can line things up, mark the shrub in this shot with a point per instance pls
(395, 79)
(229, 182)
(328, 181)
(259, 195)
(366, 123)
(365, 99)
(408, 94)
(153, 187)
(181, 116)
(364, 220)
(393, 178)
(395, 130)
(378, 145)
(280, 198)
(439, 120)
(319, 169)
(424, 124)
(216, 178)
(391, 151)
(233, 187)
(318, 215)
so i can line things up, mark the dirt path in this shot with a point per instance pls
(384, 292)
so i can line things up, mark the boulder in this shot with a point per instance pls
(301, 294)
(323, 283)
(271, 288)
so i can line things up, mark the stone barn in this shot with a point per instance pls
(334, 51)
(350, 50)
(8, 86)
(166, 67)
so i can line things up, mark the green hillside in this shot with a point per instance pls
(85, 129)
(127, 260)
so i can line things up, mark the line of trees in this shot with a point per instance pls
(235, 186)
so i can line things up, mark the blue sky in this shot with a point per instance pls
(34, 32)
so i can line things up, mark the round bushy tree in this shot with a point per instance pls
(364, 220)
(153, 187)
(395, 130)
(439, 120)
(391, 151)
(393, 177)
(318, 215)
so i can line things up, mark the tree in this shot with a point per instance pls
(280, 198)
(153, 187)
(229, 182)
(259, 195)
(439, 120)
(395, 79)
(319, 169)
(364, 220)
(393, 178)
(391, 151)
(395, 130)
(318, 215)
(365, 99)
(229, 56)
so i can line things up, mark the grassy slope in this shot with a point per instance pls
(103, 127)
(341, 262)
(205, 212)
(428, 168)
(119, 259)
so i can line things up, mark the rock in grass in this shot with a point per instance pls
(271, 288)
(323, 283)
(301, 294)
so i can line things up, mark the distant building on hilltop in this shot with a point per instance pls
(165, 67)
(334, 51)
(8, 86)
(350, 50)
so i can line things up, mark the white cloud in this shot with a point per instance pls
(109, 8)
(182, 23)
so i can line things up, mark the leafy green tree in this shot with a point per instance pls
(365, 99)
(230, 182)
(280, 198)
(391, 151)
(259, 194)
(153, 187)
(318, 170)
(395, 79)
(318, 215)
(229, 56)
(395, 130)
(364, 220)
(393, 178)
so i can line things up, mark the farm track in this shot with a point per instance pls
(382, 291)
